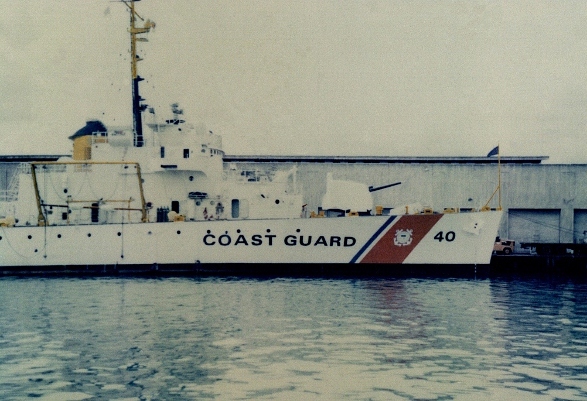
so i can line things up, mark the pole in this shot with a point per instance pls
(499, 176)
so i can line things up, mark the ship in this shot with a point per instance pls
(164, 197)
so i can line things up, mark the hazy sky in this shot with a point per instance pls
(320, 77)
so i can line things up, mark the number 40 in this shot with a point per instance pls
(449, 237)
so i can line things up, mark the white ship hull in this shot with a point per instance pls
(460, 238)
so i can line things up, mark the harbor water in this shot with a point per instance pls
(295, 338)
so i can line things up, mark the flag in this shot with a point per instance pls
(494, 151)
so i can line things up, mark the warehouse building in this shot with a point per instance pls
(544, 203)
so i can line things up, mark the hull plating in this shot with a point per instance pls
(461, 238)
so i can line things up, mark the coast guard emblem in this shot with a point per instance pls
(403, 237)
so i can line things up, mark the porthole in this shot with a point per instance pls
(89, 235)
(119, 233)
(178, 232)
(58, 235)
(30, 237)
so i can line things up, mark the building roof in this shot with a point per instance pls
(385, 159)
(30, 158)
(331, 159)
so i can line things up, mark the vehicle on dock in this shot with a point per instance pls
(504, 246)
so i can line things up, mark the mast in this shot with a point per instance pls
(137, 107)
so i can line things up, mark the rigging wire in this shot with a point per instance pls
(17, 252)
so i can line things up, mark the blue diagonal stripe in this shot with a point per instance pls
(373, 237)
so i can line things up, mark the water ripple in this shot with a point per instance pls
(178, 339)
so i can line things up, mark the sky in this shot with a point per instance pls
(306, 77)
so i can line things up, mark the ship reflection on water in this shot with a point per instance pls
(74, 339)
